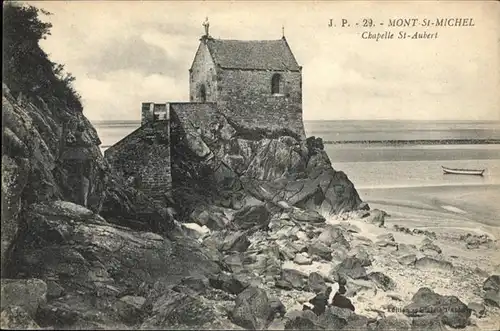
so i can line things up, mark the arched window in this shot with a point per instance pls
(275, 84)
(203, 93)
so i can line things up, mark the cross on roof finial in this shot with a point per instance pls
(206, 24)
(283, 31)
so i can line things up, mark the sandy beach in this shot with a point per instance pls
(467, 207)
(450, 212)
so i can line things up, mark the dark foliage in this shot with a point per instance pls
(26, 67)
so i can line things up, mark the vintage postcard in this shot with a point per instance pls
(279, 165)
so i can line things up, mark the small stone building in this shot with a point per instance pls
(257, 82)
(257, 85)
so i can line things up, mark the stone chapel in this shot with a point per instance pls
(256, 85)
(257, 82)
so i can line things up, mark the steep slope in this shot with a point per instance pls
(37, 166)
(218, 162)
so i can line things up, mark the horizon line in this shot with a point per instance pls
(338, 120)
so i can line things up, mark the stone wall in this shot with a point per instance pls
(245, 95)
(147, 112)
(154, 112)
(143, 159)
(202, 72)
(195, 116)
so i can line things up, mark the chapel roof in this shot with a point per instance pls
(252, 54)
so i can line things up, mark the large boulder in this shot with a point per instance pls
(447, 309)
(327, 191)
(338, 191)
(16, 318)
(351, 267)
(64, 238)
(173, 310)
(28, 294)
(253, 310)
(491, 286)
(96, 262)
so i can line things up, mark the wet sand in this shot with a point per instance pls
(440, 208)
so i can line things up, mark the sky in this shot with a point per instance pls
(123, 53)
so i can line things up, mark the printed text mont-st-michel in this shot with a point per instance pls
(411, 28)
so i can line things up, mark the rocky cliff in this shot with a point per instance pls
(34, 139)
(217, 162)
(52, 153)
(60, 256)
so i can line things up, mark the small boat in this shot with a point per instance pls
(478, 172)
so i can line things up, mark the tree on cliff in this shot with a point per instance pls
(26, 67)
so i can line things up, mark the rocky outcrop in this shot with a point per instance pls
(240, 167)
(59, 147)
(97, 264)
(253, 309)
(27, 294)
(15, 317)
(51, 152)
